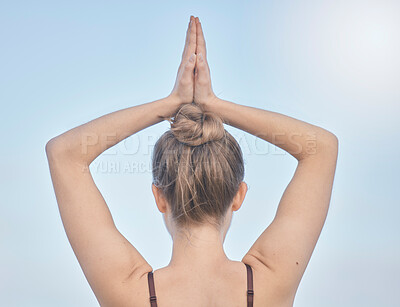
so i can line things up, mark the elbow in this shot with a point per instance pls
(59, 149)
(329, 144)
(54, 149)
(319, 144)
(49, 147)
(333, 141)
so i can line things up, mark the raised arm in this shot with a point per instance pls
(285, 247)
(110, 263)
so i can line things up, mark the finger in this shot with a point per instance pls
(190, 43)
(187, 70)
(201, 43)
(189, 66)
(192, 19)
(187, 35)
(202, 73)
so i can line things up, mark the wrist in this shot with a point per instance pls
(172, 104)
(211, 104)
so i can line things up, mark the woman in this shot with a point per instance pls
(198, 184)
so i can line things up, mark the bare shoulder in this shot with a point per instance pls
(269, 287)
(131, 292)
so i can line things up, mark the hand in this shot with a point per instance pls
(183, 91)
(203, 92)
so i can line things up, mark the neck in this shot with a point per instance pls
(199, 249)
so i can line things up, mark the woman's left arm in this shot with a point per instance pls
(108, 260)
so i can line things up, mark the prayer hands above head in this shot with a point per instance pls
(193, 81)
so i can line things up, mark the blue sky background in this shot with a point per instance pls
(331, 63)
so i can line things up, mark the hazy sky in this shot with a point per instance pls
(332, 63)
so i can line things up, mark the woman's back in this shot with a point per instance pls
(221, 286)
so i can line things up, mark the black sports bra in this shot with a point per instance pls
(250, 291)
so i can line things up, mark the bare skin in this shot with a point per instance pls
(199, 273)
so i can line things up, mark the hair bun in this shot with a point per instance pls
(193, 127)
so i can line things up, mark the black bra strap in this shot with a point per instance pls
(250, 290)
(152, 290)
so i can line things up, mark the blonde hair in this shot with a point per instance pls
(198, 166)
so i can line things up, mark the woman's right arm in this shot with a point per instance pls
(285, 247)
(287, 244)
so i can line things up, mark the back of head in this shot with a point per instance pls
(198, 166)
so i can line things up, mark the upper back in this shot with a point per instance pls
(226, 286)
